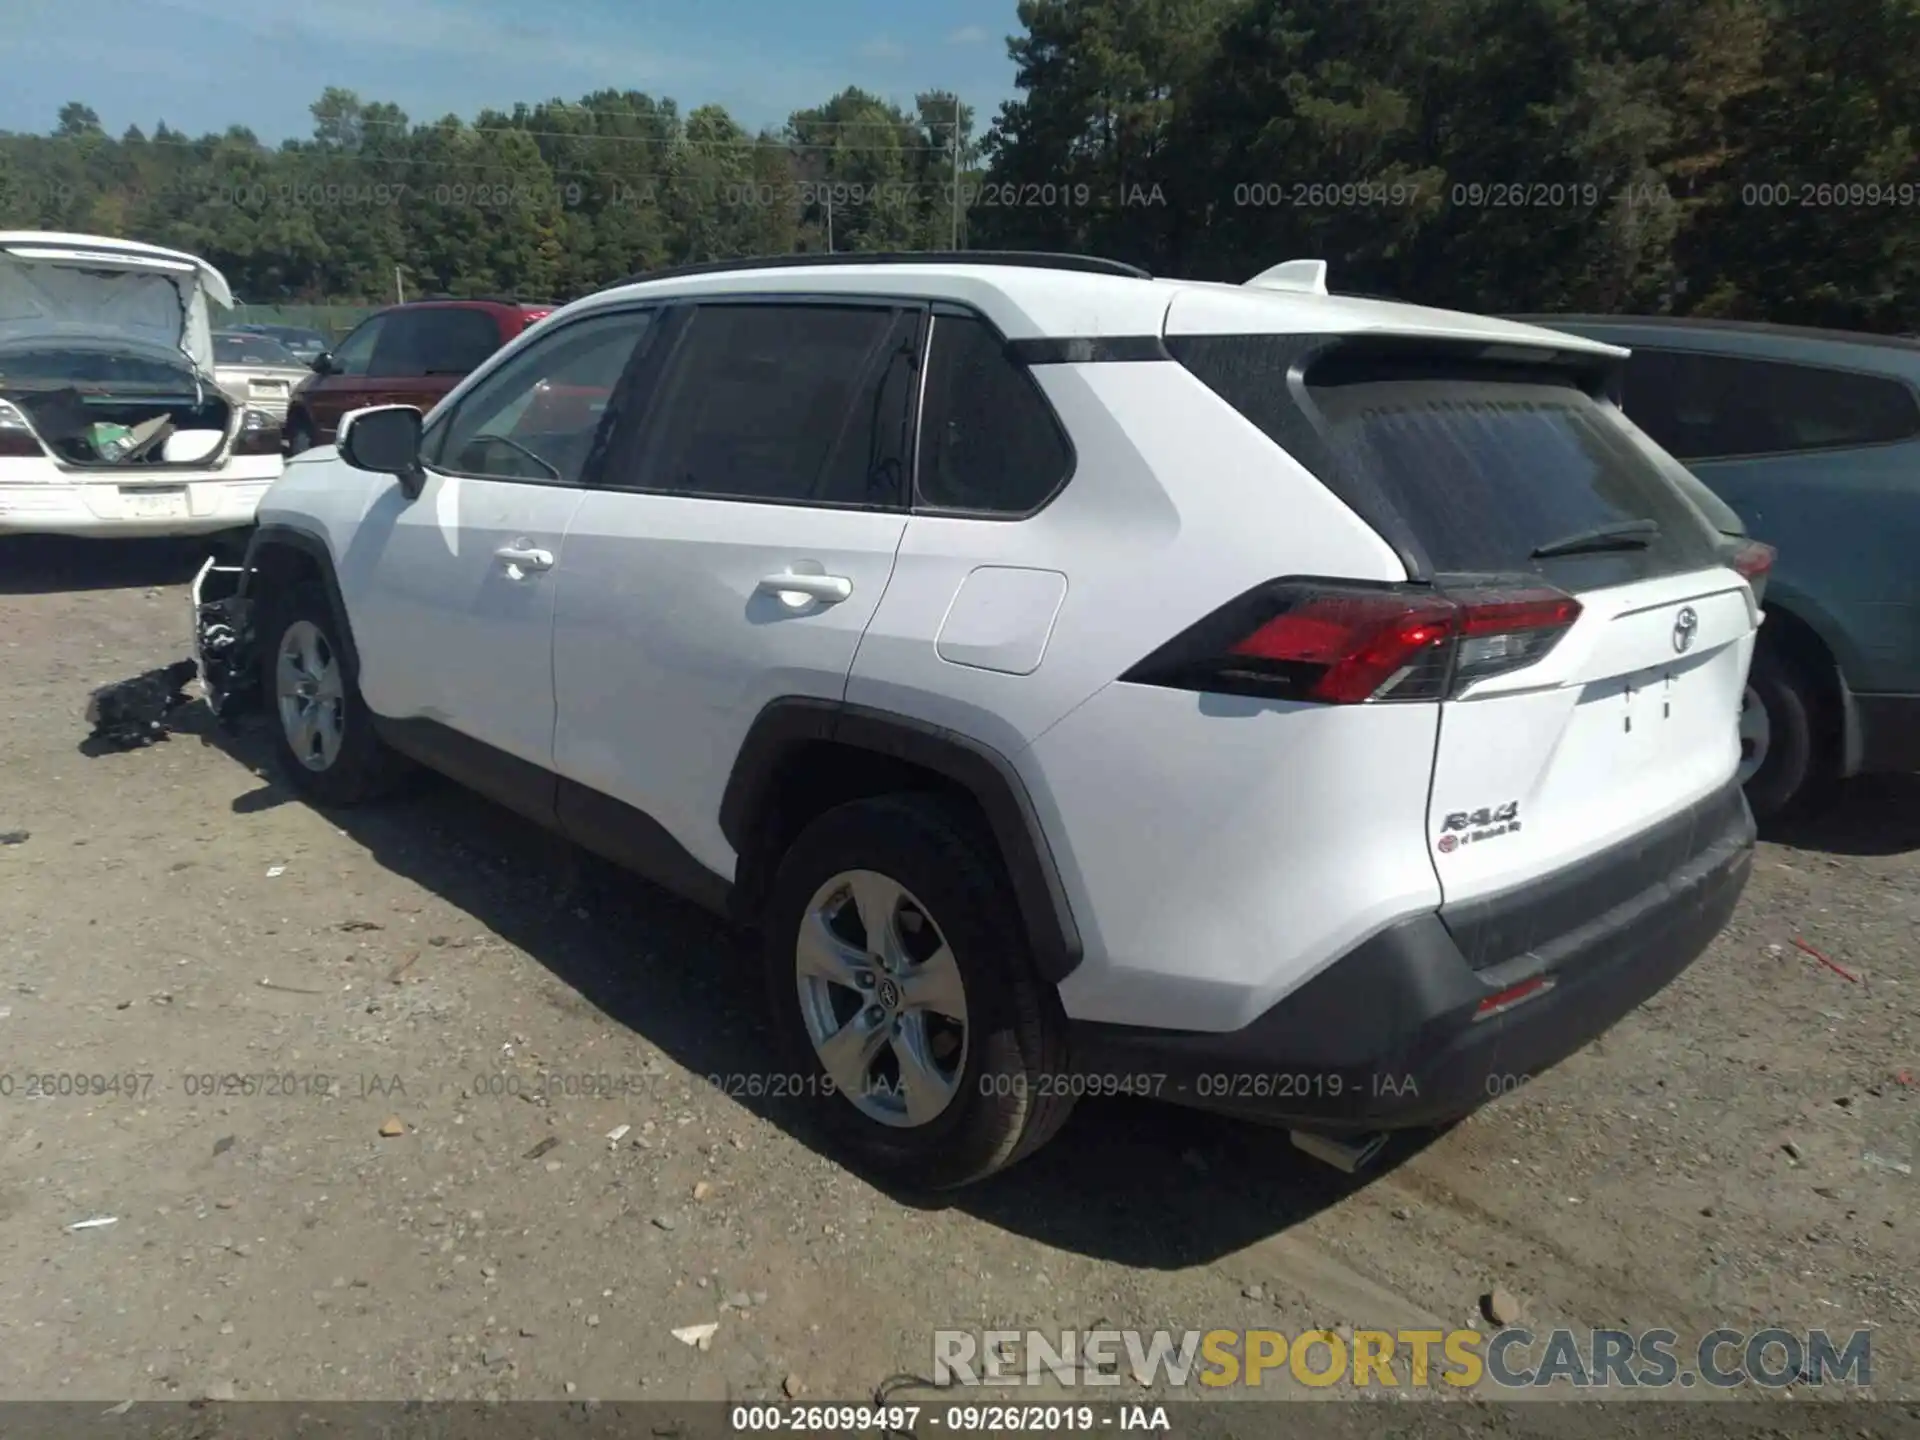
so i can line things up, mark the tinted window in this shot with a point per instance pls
(785, 402)
(1485, 471)
(1713, 406)
(356, 351)
(536, 417)
(1474, 463)
(988, 439)
(435, 341)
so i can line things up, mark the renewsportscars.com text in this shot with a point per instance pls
(1509, 1359)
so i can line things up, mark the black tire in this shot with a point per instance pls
(299, 436)
(1792, 775)
(1011, 1096)
(363, 768)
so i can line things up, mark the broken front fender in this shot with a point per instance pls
(223, 641)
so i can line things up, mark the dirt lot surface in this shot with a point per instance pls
(1731, 1154)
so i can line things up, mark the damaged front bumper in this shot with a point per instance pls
(223, 641)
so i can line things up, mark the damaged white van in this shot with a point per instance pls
(111, 422)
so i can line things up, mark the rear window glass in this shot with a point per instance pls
(1480, 466)
(1486, 472)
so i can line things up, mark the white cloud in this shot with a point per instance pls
(968, 35)
(881, 48)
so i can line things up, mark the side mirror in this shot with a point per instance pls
(385, 439)
(322, 364)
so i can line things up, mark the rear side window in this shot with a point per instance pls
(795, 403)
(989, 442)
(1707, 407)
(1481, 467)
(435, 342)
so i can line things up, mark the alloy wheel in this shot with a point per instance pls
(882, 998)
(311, 695)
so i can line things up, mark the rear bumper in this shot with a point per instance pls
(1889, 733)
(1390, 1037)
(194, 503)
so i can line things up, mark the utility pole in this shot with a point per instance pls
(399, 287)
(829, 190)
(956, 172)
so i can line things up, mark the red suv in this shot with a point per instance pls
(408, 354)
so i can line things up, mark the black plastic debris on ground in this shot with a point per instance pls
(129, 714)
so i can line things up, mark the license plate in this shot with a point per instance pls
(154, 504)
(269, 387)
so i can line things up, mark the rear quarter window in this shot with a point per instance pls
(989, 442)
(1722, 407)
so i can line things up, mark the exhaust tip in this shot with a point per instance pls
(1349, 1155)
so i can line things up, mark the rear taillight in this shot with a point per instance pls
(259, 434)
(1344, 644)
(1753, 560)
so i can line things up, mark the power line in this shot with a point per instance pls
(745, 190)
(434, 131)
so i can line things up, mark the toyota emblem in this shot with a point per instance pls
(1685, 624)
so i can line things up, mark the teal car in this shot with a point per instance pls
(1807, 440)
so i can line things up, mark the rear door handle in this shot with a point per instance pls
(797, 589)
(520, 560)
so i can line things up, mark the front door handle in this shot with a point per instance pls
(797, 589)
(521, 560)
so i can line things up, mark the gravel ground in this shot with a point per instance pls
(1731, 1154)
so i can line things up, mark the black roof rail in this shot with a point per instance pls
(1033, 259)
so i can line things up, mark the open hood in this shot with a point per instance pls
(90, 287)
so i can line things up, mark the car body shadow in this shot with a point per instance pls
(1129, 1180)
(1868, 816)
(56, 564)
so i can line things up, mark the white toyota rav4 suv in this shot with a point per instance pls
(1317, 709)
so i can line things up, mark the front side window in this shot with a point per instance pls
(536, 417)
(355, 354)
(794, 403)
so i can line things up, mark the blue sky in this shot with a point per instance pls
(204, 64)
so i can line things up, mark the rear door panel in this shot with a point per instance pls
(670, 636)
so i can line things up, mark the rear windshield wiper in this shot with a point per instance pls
(1627, 535)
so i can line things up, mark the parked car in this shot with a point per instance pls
(410, 354)
(304, 344)
(1082, 682)
(112, 419)
(257, 370)
(1812, 440)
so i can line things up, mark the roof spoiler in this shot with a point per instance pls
(1301, 276)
